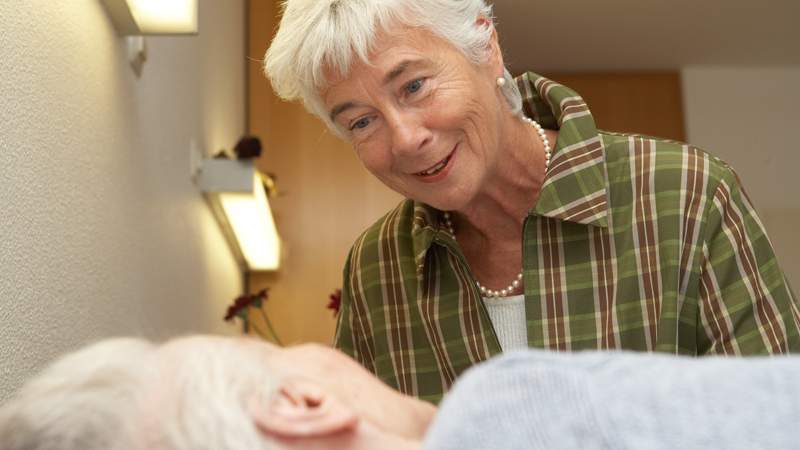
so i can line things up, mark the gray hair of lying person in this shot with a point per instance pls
(111, 396)
(318, 35)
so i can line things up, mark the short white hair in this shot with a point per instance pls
(119, 395)
(319, 35)
(82, 401)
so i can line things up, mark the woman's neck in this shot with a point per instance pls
(510, 190)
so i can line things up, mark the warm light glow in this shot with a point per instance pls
(165, 16)
(251, 219)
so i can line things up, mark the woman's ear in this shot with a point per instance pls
(493, 46)
(301, 409)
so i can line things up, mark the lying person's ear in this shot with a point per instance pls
(302, 409)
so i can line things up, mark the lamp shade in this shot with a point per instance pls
(137, 17)
(240, 204)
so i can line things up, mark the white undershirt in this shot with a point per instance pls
(508, 317)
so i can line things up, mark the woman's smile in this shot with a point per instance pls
(439, 170)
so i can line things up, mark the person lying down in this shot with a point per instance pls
(203, 392)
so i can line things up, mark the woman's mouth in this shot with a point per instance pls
(437, 169)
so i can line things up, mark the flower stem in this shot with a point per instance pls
(269, 325)
(260, 332)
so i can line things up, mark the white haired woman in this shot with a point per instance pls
(524, 225)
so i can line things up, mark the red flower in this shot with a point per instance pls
(335, 301)
(242, 302)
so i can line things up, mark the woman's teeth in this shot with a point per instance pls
(435, 169)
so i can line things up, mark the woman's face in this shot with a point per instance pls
(421, 117)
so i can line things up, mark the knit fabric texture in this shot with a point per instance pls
(508, 320)
(619, 400)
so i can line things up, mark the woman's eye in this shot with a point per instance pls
(360, 123)
(414, 86)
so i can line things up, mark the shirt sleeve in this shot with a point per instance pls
(351, 335)
(343, 338)
(746, 304)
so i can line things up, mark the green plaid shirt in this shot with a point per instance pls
(635, 243)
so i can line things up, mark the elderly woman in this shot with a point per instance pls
(524, 225)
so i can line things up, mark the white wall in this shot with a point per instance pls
(750, 118)
(101, 230)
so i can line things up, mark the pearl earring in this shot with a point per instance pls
(501, 81)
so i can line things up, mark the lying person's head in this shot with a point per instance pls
(209, 393)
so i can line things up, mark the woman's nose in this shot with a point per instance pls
(409, 135)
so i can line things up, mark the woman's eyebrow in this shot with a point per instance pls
(390, 76)
(340, 108)
(400, 68)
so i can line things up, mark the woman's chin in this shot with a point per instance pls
(455, 202)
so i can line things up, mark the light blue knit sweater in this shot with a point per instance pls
(617, 400)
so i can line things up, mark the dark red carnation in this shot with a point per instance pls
(244, 301)
(248, 147)
(231, 313)
(335, 301)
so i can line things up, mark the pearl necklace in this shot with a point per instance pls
(548, 152)
(449, 223)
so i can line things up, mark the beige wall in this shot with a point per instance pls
(623, 101)
(102, 231)
(749, 117)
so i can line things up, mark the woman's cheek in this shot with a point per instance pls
(372, 159)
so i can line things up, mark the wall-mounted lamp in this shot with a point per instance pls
(140, 17)
(135, 18)
(236, 193)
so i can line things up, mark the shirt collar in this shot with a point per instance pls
(575, 186)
